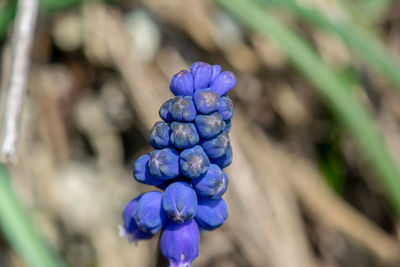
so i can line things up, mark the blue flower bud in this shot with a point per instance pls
(130, 230)
(217, 146)
(202, 74)
(228, 126)
(224, 82)
(209, 126)
(216, 71)
(142, 173)
(211, 213)
(128, 212)
(148, 214)
(225, 108)
(184, 135)
(206, 101)
(182, 108)
(225, 160)
(213, 184)
(193, 162)
(180, 202)
(180, 243)
(164, 164)
(159, 136)
(164, 112)
(182, 83)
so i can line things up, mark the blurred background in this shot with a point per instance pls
(316, 132)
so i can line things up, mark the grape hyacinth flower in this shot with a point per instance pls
(209, 126)
(193, 162)
(163, 164)
(202, 75)
(192, 147)
(182, 83)
(228, 126)
(225, 108)
(216, 71)
(223, 83)
(148, 214)
(225, 160)
(206, 101)
(180, 202)
(130, 229)
(165, 112)
(159, 135)
(211, 213)
(180, 243)
(182, 109)
(213, 184)
(141, 171)
(217, 146)
(184, 135)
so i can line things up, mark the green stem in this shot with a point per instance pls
(19, 230)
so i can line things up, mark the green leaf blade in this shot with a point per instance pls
(339, 98)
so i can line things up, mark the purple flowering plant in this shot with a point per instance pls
(192, 147)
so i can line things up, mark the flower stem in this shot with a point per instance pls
(18, 228)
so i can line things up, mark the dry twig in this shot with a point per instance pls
(21, 48)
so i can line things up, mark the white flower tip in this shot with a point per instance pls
(124, 234)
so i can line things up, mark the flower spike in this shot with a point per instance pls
(192, 147)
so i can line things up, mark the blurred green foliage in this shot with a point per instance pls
(19, 229)
(7, 14)
(55, 5)
(331, 166)
(362, 42)
(335, 88)
(335, 91)
(373, 9)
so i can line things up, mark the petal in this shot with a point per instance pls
(211, 214)
(141, 171)
(225, 160)
(202, 74)
(206, 101)
(164, 164)
(128, 211)
(216, 71)
(129, 230)
(182, 109)
(193, 162)
(213, 184)
(164, 112)
(224, 82)
(180, 202)
(184, 135)
(149, 215)
(225, 108)
(209, 126)
(182, 83)
(228, 126)
(180, 243)
(159, 136)
(217, 146)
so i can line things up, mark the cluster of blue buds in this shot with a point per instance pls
(192, 147)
